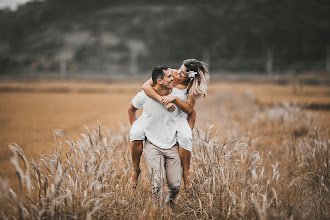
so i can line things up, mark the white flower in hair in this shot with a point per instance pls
(192, 74)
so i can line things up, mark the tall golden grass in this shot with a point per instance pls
(233, 178)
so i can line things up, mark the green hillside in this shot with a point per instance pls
(112, 37)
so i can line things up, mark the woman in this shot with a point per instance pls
(190, 83)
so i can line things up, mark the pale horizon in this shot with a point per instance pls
(12, 4)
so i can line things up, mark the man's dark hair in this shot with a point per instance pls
(158, 73)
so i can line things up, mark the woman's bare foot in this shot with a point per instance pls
(187, 183)
(135, 177)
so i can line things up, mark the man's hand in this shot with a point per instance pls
(170, 106)
(167, 99)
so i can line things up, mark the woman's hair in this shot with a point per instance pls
(198, 88)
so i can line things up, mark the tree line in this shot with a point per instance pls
(229, 34)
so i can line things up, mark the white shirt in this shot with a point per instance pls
(181, 94)
(159, 124)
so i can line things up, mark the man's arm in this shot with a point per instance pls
(132, 113)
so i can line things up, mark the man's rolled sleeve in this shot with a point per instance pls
(138, 100)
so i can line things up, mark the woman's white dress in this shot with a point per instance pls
(184, 133)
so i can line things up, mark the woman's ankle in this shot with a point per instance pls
(137, 168)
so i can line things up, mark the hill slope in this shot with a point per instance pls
(111, 37)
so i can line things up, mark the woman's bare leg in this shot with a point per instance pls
(136, 151)
(185, 156)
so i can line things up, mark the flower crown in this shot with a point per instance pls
(192, 74)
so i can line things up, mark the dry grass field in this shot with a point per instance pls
(266, 156)
(28, 118)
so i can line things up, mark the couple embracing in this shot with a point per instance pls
(166, 123)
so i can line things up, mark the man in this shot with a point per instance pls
(160, 125)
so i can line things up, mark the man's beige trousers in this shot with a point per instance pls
(161, 163)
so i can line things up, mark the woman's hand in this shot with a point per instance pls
(170, 106)
(167, 99)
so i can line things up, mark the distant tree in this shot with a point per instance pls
(231, 33)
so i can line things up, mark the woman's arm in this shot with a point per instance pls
(192, 119)
(150, 91)
(183, 106)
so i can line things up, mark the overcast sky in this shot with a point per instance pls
(11, 3)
